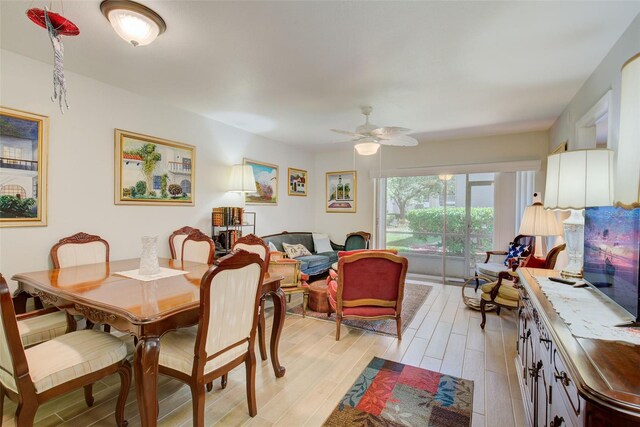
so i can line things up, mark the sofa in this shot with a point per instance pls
(313, 265)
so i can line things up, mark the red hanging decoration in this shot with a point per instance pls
(62, 25)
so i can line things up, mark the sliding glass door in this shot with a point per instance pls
(441, 223)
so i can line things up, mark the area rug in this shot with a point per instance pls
(394, 394)
(414, 297)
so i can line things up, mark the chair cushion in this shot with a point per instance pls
(506, 290)
(490, 269)
(177, 349)
(37, 329)
(295, 251)
(71, 356)
(502, 301)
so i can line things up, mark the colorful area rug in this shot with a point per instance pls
(414, 297)
(393, 394)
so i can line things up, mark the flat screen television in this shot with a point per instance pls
(612, 254)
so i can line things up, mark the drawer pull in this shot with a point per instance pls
(557, 421)
(545, 340)
(563, 378)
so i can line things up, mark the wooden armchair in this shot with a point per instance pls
(225, 336)
(370, 286)
(35, 375)
(489, 271)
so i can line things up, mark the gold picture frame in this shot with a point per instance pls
(297, 182)
(153, 171)
(23, 189)
(341, 189)
(266, 181)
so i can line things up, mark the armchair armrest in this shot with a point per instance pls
(489, 253)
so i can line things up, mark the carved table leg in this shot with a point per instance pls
(279, 309)
(262, 342)
(146, 375)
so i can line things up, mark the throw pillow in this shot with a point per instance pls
(514, 252)
(321, 243)
(272, 247)
(295, 251)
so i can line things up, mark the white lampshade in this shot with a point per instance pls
(578, 179)
(538, 221)
(367, 148)
(627, 193)
(133, 22)
(242, 179)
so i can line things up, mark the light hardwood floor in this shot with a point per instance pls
(444, 336)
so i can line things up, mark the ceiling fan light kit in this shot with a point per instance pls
(368, 137)
(133, 22)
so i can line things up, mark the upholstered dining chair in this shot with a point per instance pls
(504, 292)
(198, 247)
(357, 240)
(176, 239)
(225, 336)
(77, 359)
(491, 268)
(370, 286)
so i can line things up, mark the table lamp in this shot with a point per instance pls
(540, 222)
(576, 180)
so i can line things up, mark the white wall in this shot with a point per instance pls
(499, 148)
(81, 157)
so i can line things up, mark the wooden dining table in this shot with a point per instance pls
(144, 309)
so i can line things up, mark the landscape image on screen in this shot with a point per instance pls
(611, 253)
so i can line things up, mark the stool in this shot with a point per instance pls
(318, 294)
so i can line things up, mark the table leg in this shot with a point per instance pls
(146, 375)
(279, 309)
(262, 344)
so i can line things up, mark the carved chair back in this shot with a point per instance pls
(79, 249)
(357, 240)
(254, 244)
(229, 301)
(198, 247)
(548, 263)
(176, 239)
(525, 240)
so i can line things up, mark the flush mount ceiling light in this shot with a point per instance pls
(134, 23)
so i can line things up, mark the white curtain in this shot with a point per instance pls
(525, 181)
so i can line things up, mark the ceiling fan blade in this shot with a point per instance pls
(348, 140)
(400, 141)
(389, 132)
(346, 132)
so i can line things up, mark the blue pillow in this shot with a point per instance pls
(514, 252)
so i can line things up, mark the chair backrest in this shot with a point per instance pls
(371, 278)
(79, 249)
(229, 300)
(198, 247)
(176, 239)
(548, 263)
(525, 240)
(357, 240)
(255, 245)
(13, 362)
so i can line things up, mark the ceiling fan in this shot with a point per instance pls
(369, 136)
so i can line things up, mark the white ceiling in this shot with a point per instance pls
(292, 70)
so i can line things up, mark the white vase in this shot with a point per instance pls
(149, 258)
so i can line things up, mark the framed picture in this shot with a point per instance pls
(266, 177)
(341, 190)
(297, 182)
(153, 171)
(24, 139)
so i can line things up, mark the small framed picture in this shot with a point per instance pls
(24, 138)
(266, 177)
(341, 191)
(297, 182)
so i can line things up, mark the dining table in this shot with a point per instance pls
(143, 309)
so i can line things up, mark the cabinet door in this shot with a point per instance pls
(542, 394)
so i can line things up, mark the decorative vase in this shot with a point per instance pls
(149, 258)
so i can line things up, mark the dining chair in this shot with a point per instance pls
(176, 239)
(225, 335)
(369, 286)
(37, 374)
(198, 247)
(80, 249)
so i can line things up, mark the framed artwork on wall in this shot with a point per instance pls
(24, 140)
(153, 171)
(297, 182)
(341, 191)
(266, 177)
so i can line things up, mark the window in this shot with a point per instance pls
(186, 186)
(13, 190)
(12, 154)
(157, 182)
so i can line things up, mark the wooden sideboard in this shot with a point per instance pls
(567, 381)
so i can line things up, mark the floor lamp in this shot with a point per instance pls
(576, 180)
(540, 222)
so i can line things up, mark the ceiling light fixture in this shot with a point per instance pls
(367, 147)
(134, 23)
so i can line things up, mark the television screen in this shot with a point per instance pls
(612, 254)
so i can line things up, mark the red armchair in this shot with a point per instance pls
(370, 286)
